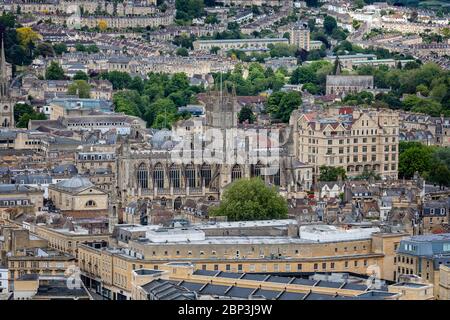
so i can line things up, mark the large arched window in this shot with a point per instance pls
(190, 175)
(236, 172)
(90, 204)
(174, 175)
(177, 203)
(206, 174)
(142, 176)
(257, 169)
(158, 176)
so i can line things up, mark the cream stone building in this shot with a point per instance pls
(112, 268)
(89, 6)
(366, 139)
(345, 84)
(124, 22)
(249, 3)
(444, 282)
(299, 36)
(22, 197)
(78, 193)
(180, 281)
(228, 44)
(66, 241)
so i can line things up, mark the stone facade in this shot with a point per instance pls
(364, 140)
(345, 84)
(6, 102)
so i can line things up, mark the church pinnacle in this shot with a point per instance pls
(3, 62)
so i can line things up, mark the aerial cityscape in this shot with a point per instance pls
(224, 150)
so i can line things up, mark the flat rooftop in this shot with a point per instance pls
(246, 224)
(245, 40)
(430, 237)
(145, 272)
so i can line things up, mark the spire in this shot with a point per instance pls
(3, 62)
(3, 73)
(337, 66)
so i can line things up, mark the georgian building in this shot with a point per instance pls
(78, 194)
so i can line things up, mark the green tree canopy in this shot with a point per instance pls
(54, 72)
(24, 113)
(332, 173)
(80, 88)
(329, 24)
(60, 48)
(251, 199)
(182, 52)
(44, 49)
(246, 114)
(80, 75)
(414, 159)
(281, 104)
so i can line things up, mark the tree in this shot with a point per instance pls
(281, 104)
(80, 75)
(440, 175)
(128, 102)
(119, 80)
(102, 25)
(26, 36)
(311, 88)
(60, 48)
(54, 72)
(312, 3)
(282, 50)
(24, 119)
(439, 92)
(137, 84)
(412, 160)
(45, 49)
(189, 9)
(92, 48)
(161, 113)
(332, 173)
(80, 88)
(211, 19)
(303, 75)
(246, 114)
(251, 199)
(182, 52)
(21, 109)
(214, 50)
(359, 3)
(329, 24)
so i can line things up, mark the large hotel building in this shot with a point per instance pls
(357, 140)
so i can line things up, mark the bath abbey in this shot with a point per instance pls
(201, 156)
